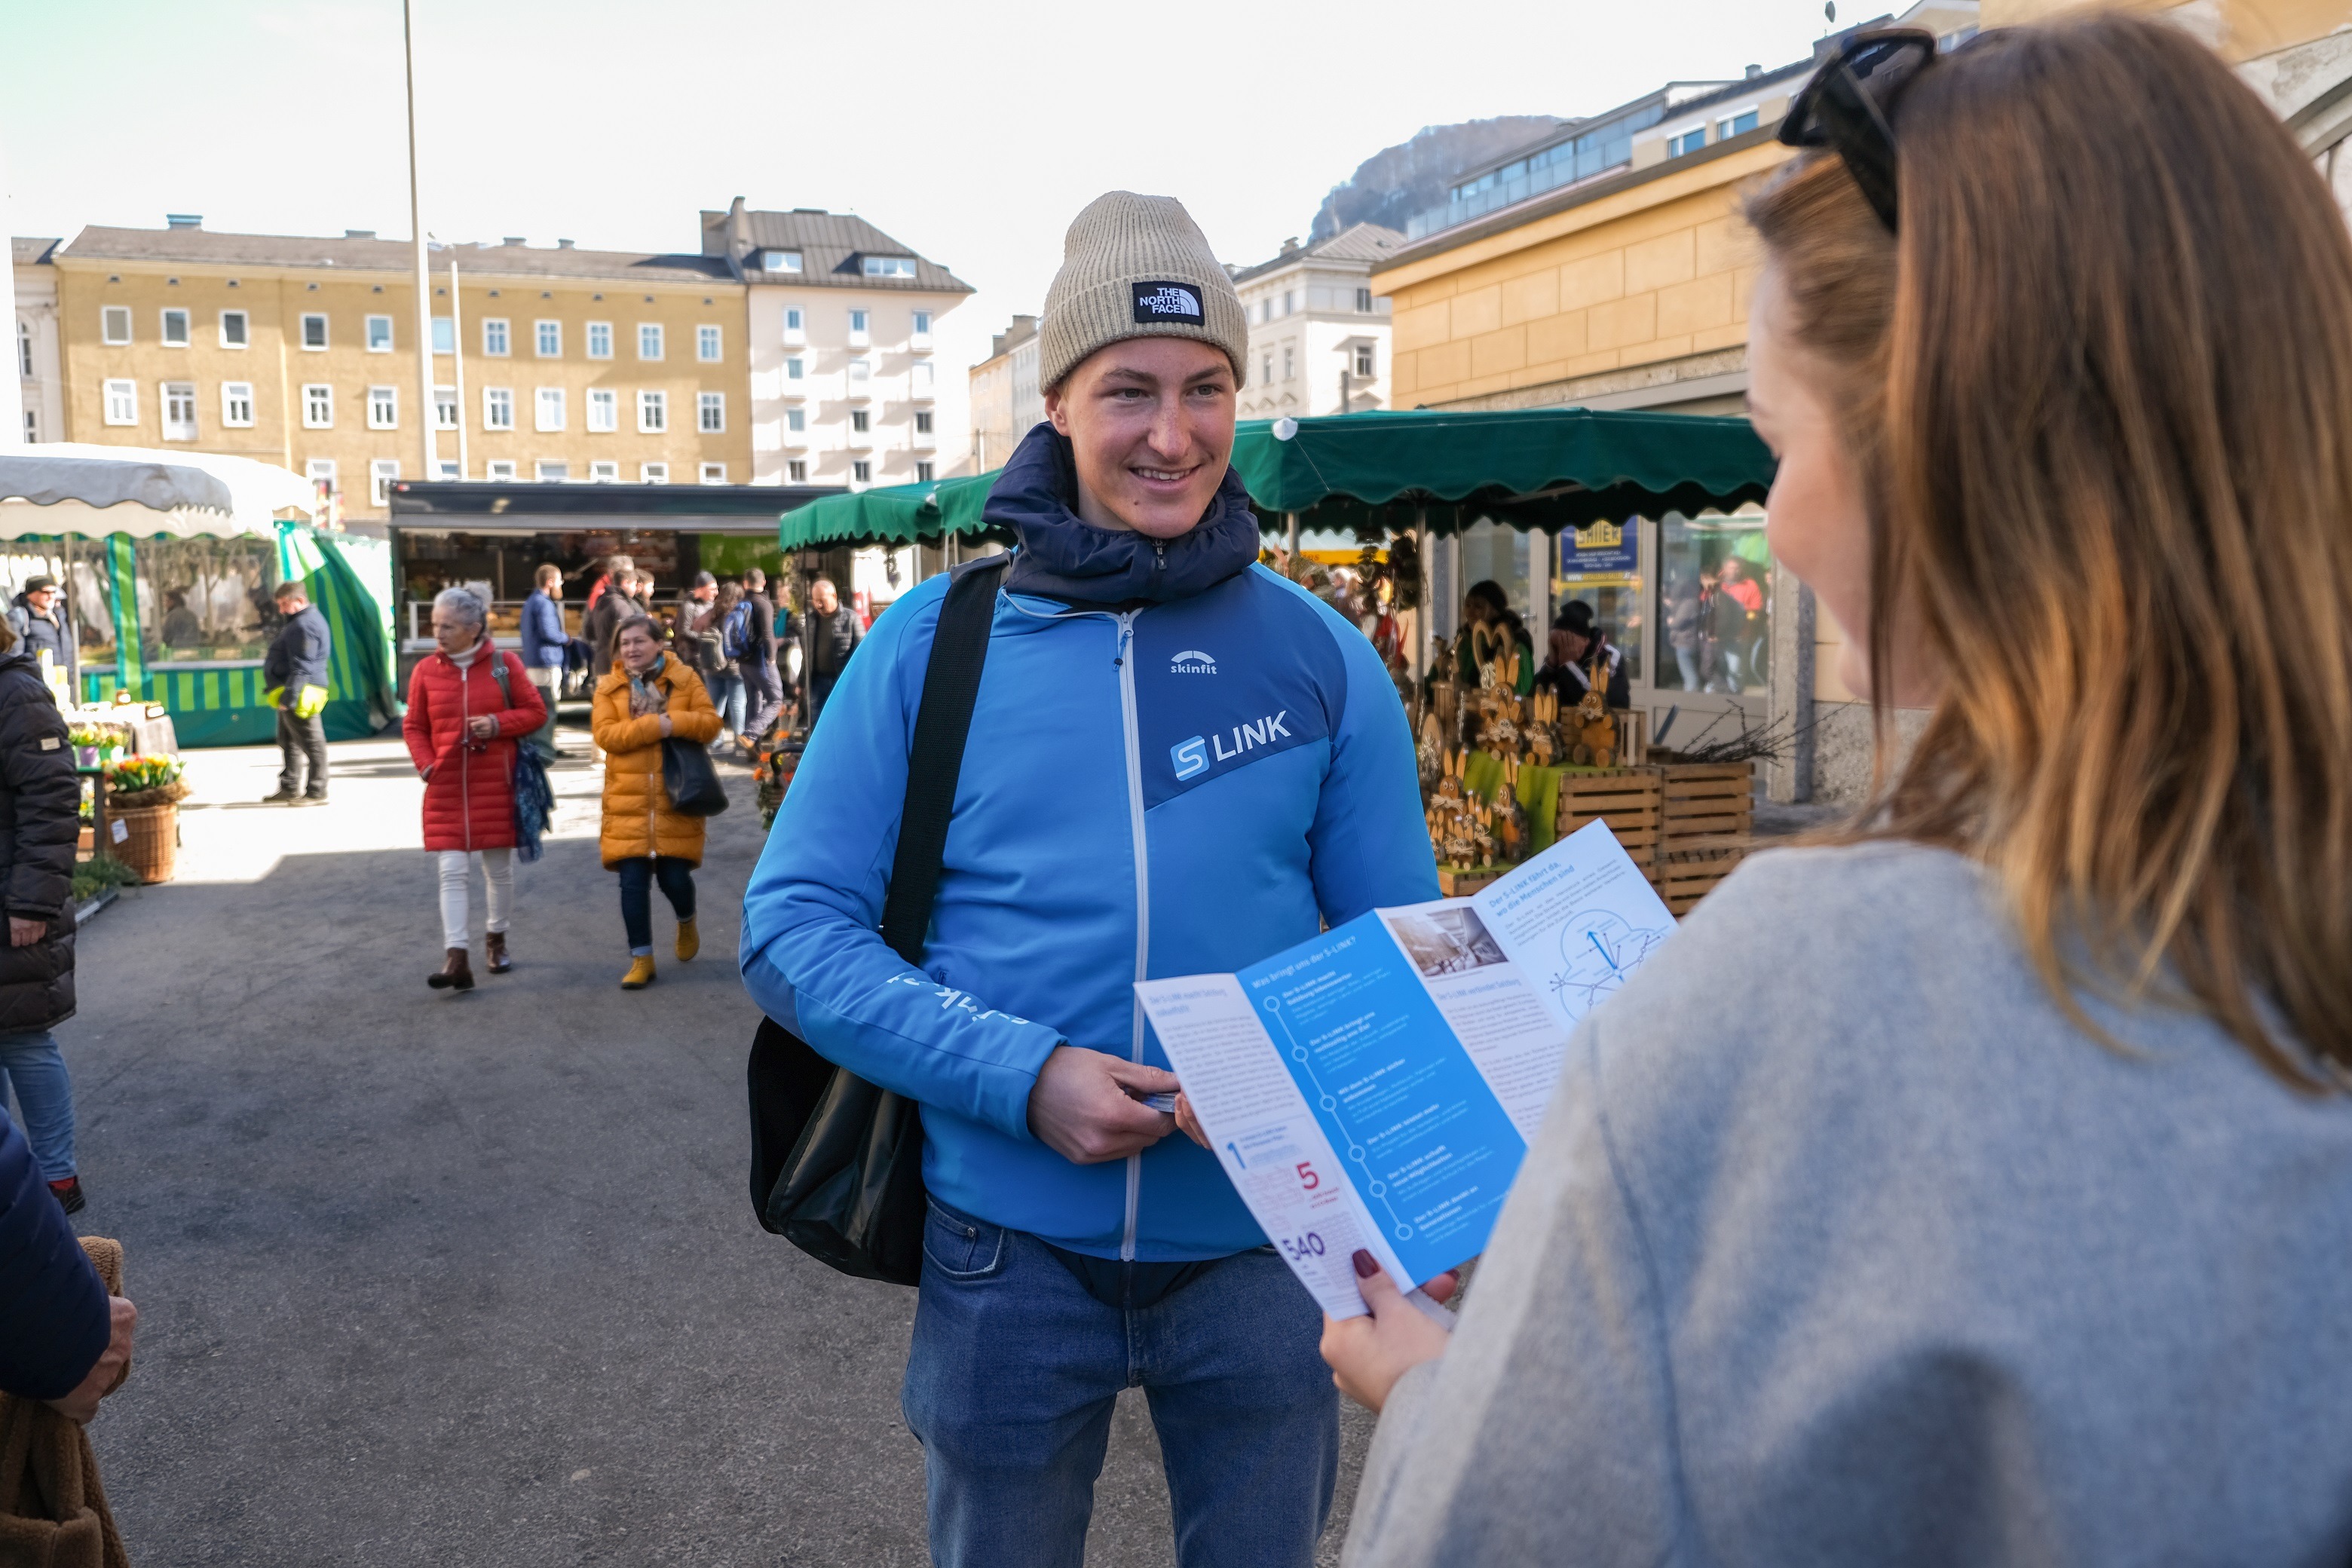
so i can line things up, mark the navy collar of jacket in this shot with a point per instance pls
(1062, 556)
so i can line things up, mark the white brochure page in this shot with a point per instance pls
(1487, 1001)
(1271, 1146)
(1577, 921)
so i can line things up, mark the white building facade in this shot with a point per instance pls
(32, 339)
(1006, 401)
(842, 321)
(1318, 335)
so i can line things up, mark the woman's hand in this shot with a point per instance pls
(1190, 1121)
(1367, 1355)
(665, 724)
(81, 1405)
(482, 727)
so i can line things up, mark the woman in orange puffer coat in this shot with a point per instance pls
(461, 731)
(647, 697)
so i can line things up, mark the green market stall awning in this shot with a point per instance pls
(1536, 468)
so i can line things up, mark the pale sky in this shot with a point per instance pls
(972, 131)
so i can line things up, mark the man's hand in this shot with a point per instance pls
(482, 726)
(1190, 1121)
(81, 1405)
(1082, 1110)
(22, 933)
(1367, 1355)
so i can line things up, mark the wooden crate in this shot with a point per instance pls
(1630, 800)
(1460, 884)
(1683, 876)
(1708, 805)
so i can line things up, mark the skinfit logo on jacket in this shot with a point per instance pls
(1193, 757)
(1193, 662)
(1167, 302)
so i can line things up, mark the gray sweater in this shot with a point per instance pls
(1842, 1244)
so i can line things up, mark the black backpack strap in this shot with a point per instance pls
(950, 686)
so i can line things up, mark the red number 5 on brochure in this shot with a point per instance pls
(1307, 1176)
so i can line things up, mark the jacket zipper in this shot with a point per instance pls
(465, 739)
(1142, 893)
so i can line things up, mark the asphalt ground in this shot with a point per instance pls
(438, 1279)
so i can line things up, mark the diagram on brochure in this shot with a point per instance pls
(1377, 1087)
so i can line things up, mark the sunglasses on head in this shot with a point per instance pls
(1848, 104)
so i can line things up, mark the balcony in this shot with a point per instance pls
(859, 440)
(925, 441)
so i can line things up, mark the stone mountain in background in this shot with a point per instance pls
(1392, 185)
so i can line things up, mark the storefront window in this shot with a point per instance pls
(1602, 566)
(206, 600)
(89, 599)
(1494, 551)
(1714, 610)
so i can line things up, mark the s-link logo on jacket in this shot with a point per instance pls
(951, 997)
(1192, 756)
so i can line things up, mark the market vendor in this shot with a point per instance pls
(1583, 657)
(1491, 629)
(297, 671)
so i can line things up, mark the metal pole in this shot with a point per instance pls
(424, 274)
(458, 364)
(1423, 620)
(1291, 517)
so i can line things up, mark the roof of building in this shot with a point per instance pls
(1357, 242)
(28, 250)
(831, 245)
(363, 252)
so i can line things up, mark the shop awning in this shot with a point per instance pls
(73, 487)
(1537, 467)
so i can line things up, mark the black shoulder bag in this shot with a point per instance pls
(837, 1162)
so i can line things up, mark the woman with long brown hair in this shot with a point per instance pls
(2005, 1215)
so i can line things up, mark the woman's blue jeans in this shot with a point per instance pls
(726, 696)
(45, 1094)
(1016, 1367)
(638, 874)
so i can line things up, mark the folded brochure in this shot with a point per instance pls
(1376, 1087)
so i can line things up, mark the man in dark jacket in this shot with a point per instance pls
(833, 635)
(62, 1338)
(544, 643)
(40, 822)
(39, 622)
(297, 671)
(605, 616)
(763, 685)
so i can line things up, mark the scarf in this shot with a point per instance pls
(1062, 556)
(644, 697)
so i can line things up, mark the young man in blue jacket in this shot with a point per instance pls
(1178, 763)
(544, 644)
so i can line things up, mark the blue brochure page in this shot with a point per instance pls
(1421, 1136)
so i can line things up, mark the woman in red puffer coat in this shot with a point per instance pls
(461, 729)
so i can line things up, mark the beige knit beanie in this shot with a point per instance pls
(1137, 267)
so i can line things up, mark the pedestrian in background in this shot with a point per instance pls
(691, 636)
(39, 621)
(2001, 1213)
(296, 668)
(544, 643)
(464, 720)
(833, 635)
(41, 826)
(649, 697)
(763, 685)
(598, 622)
(728, 625)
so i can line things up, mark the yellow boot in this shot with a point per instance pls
(689, 942)
(640, 975)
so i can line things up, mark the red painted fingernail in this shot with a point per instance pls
(1365, 1266)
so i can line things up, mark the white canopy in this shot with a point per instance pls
(71, 487)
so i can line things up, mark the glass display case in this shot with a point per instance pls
(206, 601)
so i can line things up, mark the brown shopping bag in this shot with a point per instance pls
(53, 1513)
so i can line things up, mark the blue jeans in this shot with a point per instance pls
(44, 1095)
(638, 874)
(726, 696)
(1016, 1367)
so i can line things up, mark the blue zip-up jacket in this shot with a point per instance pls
(54, 1318)
(1179, 762)
(544, 639)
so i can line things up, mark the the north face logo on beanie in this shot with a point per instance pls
(1167, 302)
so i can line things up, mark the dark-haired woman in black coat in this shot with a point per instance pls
(40, 821)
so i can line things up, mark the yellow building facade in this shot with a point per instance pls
(573, 364)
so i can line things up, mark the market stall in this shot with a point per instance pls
(167, 565)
